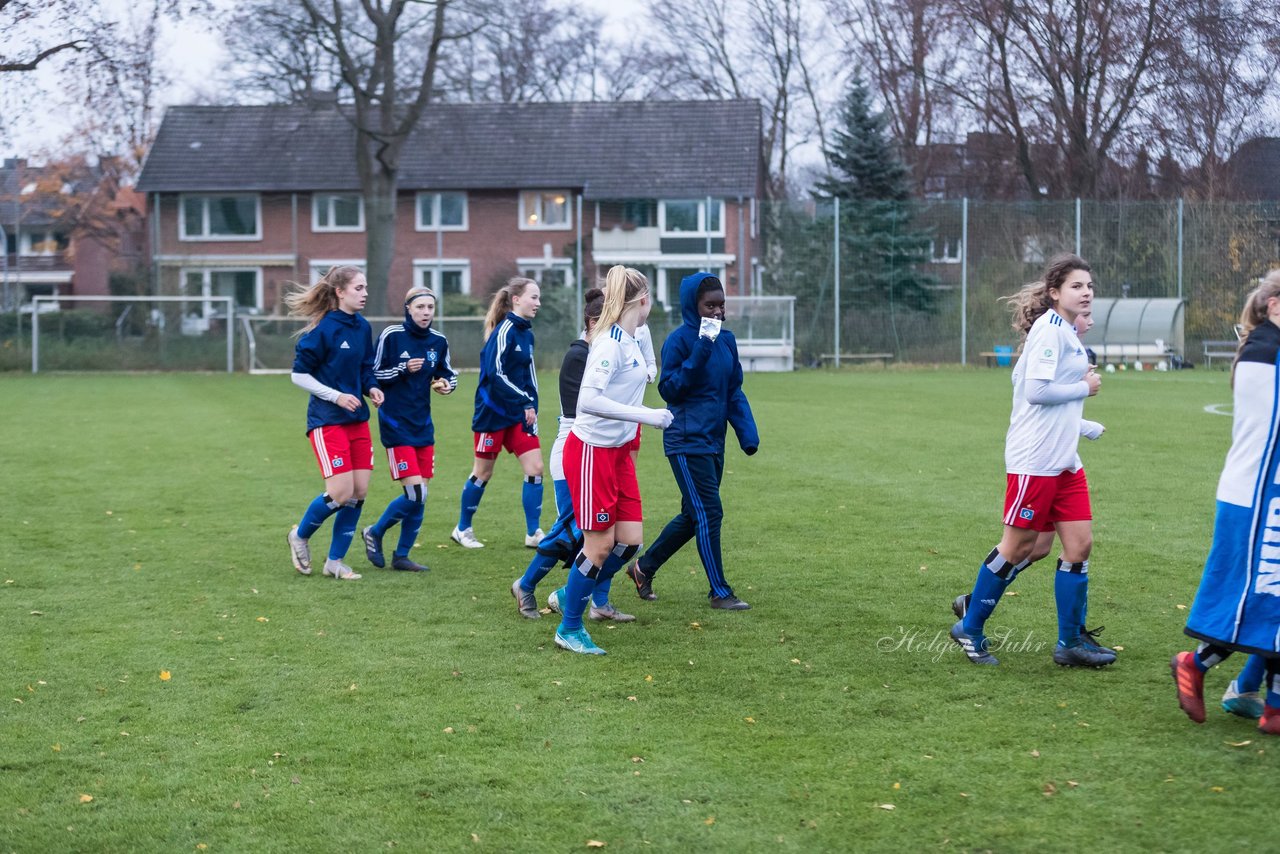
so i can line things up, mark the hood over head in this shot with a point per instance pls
(689, 297)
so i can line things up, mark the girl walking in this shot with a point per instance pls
(333, 361)
(411, 361)
(506, 413)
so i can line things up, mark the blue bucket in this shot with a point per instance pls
(1004, 355)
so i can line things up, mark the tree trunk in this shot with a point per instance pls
(380, 243)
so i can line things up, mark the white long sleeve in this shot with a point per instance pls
(314, 386)
(1047, 392)
(592, 402)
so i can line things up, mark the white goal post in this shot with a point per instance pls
(48, 305)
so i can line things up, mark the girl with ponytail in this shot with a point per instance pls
(506, 414)
(334, 362)
(597, 454)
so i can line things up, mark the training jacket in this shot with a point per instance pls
(702, 385)
(338, 352)
(508, 382)
(405, 416)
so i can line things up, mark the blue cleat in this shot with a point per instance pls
(373, 547)
(975, 647)
(1082, 653)
(577, 641)
(1245, 705)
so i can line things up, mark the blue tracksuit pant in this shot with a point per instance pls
(698, 476)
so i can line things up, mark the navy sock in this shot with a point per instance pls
(320, 508)
(577, 590)
(618, 557)
(993, 578)
(399, 507)
(472, 492)
(531, 498)
(1250, 678)
(344, 528)
(1071, 592)
(410, 527)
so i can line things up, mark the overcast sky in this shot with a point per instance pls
(192, 55)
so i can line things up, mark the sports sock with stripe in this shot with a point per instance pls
(344, 528)
(993, 578)
(472, 492)
(1071, 593)
(618, 558)
(531, 498)
(320, 508)
(577, 590)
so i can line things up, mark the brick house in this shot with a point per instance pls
(47, 249)
(244, 199)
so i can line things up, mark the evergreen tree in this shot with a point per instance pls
(881, 248)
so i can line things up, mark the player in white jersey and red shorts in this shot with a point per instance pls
(598, 466)
(1046, 489)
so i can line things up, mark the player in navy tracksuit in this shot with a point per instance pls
(334, 361)
(702, 385)
(411, 361)
(1237, 608)
(506, 413)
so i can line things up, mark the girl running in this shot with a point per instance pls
(411, 361)
(597, 460)
(1237, 608)
(334, 362)
(1046, 489)
(702, 383)
(506, 413)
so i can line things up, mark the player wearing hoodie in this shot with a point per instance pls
(702, 385)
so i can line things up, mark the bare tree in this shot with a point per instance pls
(276, 53)
(908, 51)
(1067, 76)
(32, 32)
(387, 102)
(1221, 69)
(750, 49)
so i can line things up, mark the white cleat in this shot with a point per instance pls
(466, 539)
(299, 552)
(340, 571)
(531, 541)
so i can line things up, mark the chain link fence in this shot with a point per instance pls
(922, 280)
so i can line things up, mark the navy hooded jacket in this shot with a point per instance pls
(338, 352)
(405, 416)
(702, 385)
(508, 381)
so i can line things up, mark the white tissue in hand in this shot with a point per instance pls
(709, 328)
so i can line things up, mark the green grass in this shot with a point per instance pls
(144, 521)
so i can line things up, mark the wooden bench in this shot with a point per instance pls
(1219, 350)
(993, 358)
(883, 358)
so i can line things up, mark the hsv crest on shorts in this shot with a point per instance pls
(336, 462)
(1026, 513)
(402, 466)
(602, 517)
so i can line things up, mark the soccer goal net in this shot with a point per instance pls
(132, 333)
(766, 331)
(269, 339)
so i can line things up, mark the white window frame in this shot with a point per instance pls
(665, 286)
(26, 247)
(702, 218)
(317, 265)
(951, 251)
(538, 268)
(426, 273)
(328, 199)
(206, 287)
(204, 236)
(541, 225)
(419, 225)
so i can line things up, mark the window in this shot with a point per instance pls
(244, 285)
(441, 212)
(642, 213)
(945, 250)
(43, 242)
(544, 209)
(691, 218)
(219, 218)
(549, 275)
(320, 266)
(337, 212)
(444, 277)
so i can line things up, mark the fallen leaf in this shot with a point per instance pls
(236, 805)
(1244, 743)
(294, 780)
(263, 620)
(1035, 754)
(964, 794)
(1216, 789)
(710, 820)
(648, 678)
(475, 837)
(695, 626)
(1012, 593)
(165, 675)
(637, 759)
(37, 613)
(632, 699)
(200, 846)
(1182, 607)
(84, 799)
(750, 720)
(449, 730)
(594, 843)
(56, 748)
(886, 806)
(897, 786)
(795, 661)
(1073, 784)
(1050, 790)
(1118, 648)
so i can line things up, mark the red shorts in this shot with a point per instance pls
(342, 447)
(602, 484)
(513, 438)
(408, 461)
(635, 443)
(1037, 501)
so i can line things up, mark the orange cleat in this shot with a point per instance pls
(1190, 682)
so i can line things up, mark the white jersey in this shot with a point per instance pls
(1043, 438)
(615, 367)
(645, 339)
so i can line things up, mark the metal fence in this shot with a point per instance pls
(922, 280)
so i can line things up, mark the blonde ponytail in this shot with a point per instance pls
(622, 286)
(1254, 313)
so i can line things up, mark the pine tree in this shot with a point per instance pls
(881, 248)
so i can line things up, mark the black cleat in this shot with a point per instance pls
(1091, 636)
(1082, 653)
(403, 563)
(960, 606)
(974, 648)
(728, 603)
(373, 547)
(643, 581)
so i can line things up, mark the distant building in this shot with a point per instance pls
(243, 199)
(1255, 169)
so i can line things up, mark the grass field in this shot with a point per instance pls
(171, 684)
